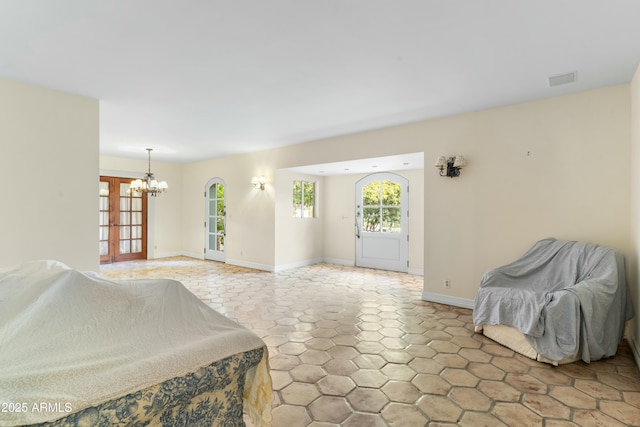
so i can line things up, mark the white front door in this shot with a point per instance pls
(382, 222)
(216, 222)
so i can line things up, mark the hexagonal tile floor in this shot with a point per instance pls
(358, 347)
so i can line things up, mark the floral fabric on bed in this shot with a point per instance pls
(211, 396)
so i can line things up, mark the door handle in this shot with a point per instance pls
(357, 225)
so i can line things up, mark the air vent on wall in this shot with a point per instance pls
(563, 79)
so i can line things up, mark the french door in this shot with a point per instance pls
(123, 221)
(216, 220)
(382, 217)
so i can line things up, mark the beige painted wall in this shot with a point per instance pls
(554, 167)
(165, 215)
(48, 176)
(633, 261)
(298, 241)
(339, 218)
(250, 213)
(537, 169)
(260, 230)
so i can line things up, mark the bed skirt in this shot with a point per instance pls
(211, 396)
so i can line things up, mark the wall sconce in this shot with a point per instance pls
(450, 166)
(258, 183)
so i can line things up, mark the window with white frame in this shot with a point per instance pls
(304, 199)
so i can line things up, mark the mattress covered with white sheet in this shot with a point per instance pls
(60, 327)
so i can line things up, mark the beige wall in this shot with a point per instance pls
(339, 218)
(260, 230)
(298, 241)
(48, 176)
(537, 169)
(554, 167)
(633, 261)
(250, 213)
(550, 168)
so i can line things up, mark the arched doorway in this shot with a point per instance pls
(382, 222)
(216, 220)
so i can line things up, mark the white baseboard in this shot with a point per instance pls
(351, 263)
(338, 261)
(177, 253)
(449, 300)
(246, 264)
(277, 268)
(283, 267)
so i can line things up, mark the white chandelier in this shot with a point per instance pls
(149, 184)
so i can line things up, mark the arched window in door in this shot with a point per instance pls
(382, 222)
(381, 203)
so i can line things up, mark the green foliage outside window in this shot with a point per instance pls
(216, 217)
(304, 199)
(381, 207)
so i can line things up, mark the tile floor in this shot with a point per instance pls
(358, 347)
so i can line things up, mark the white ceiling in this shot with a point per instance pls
(201, 79)
(398, 162)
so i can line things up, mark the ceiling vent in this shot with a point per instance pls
(563, 79)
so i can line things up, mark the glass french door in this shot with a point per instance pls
(123, 221)
(216, 221)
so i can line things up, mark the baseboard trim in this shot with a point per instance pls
(276, 268)
(449, 300)
(351, 263)
(253, 265)
(338, 261)
(177, 253)
(283, 267)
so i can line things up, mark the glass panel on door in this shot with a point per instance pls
(130, 217)
(104, 219)
(216, 221)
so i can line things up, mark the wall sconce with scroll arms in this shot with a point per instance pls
(450, 166)
(258, 183)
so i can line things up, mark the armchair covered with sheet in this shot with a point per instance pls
(564, 300)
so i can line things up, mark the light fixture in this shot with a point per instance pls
(258, 183)
(450, 166)
(149, 184)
